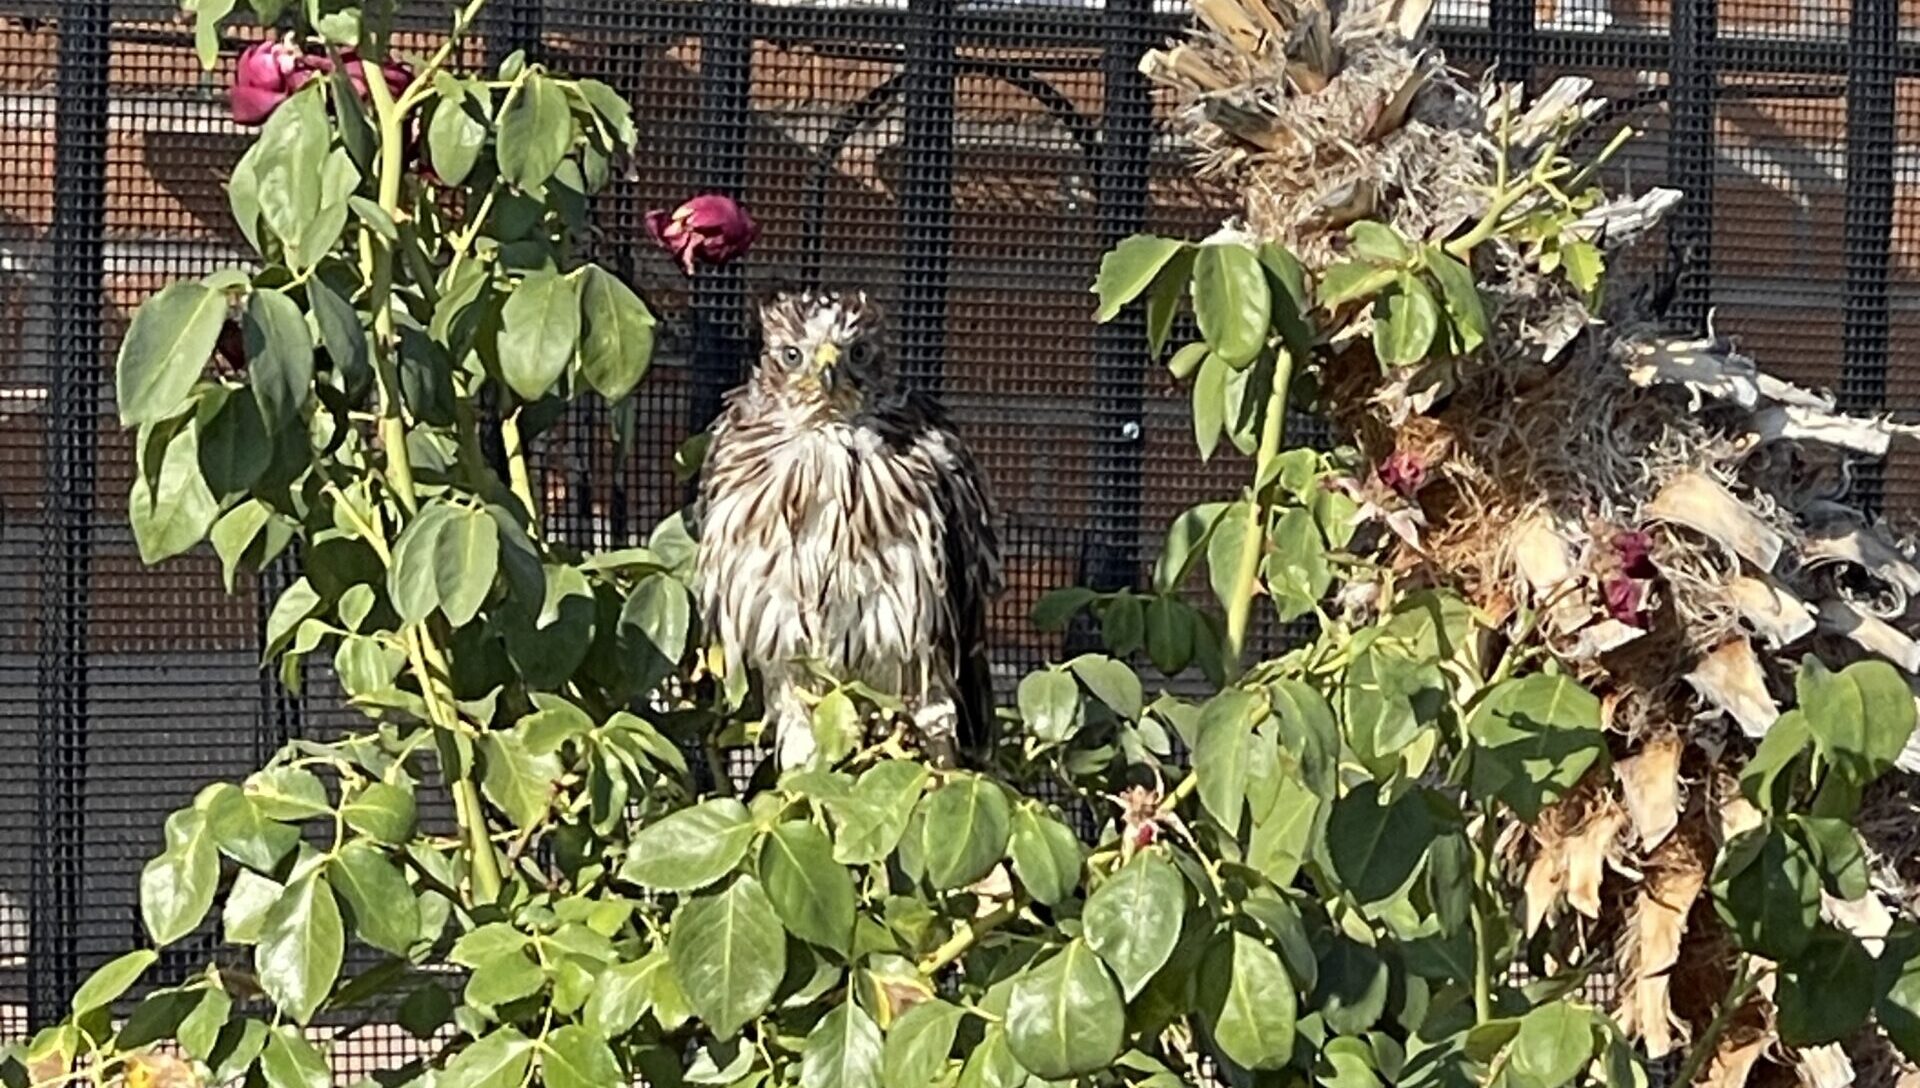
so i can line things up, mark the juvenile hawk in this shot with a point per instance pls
(846, 530)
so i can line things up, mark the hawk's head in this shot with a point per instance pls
(824, 345)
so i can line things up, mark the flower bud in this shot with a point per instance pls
(1635, 551)
(264, 78)
(1404, 472)
(712, 228)
(1626, 599)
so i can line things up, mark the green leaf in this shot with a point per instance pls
(1283, 838)
(992, 1064)
(1210, 404)
(508, 977)
(455, 137)
(499, 1060)
(574, 1057)
(1128, 269)
(1112, 682)
(1186, 543)
(1224, 551)
(874, 818)
(1826, 995)
(199, 1032)
(1065, 1017)
(243, 833)
(1350, 281)
(812, 894)
(114, 978)
(1378, 243)
(385, 913)
(279, 358)
(539, 327)
(301, 947)
(1353, 988)
(1057, 608)
(172, 336)
(466, 556)
(1534, 739)
(293, 153)
(1584, 265)
(1046, 855)
(288, 793)
(1296, 569)
(1123, 624)
(618, 344)
(836, 728)
(1231, 301)
(519, 782)
(290, 1060)
(343, 335)
(1375, 848)
(1898, 1009)
(1163, 299)
(1170, 634)
(967, 825)
(245, 912)
(1187, 360)
(919, 1043)
(383, 812)
(233, 445)
(691, 848)
(1461, 296)
(1133, 920)
(1553, 1046)
(623, 994)
(1766, 889)
(176, 888)
(1050, 706)
(661, 610)
(1861, 717)
(729, 953)
(1248, 1002)
(1838, 854)
(171, 514)
(412, 581)
(535, 130)
(1221, 755)
(1405, 321)
(843, 1051)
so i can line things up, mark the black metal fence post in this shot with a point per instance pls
(1120, 356)
(1691, 154)
(926, 190)
(726, 82)
(78, 252)
(1871, 82)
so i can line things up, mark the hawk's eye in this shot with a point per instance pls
(861, 353)
(790, 356)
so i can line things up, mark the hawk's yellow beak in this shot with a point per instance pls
(826, 355)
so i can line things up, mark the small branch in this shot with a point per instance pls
(967, 936)
(1745, 978)
(517, 475)
(1246, 577)
(1483, 898)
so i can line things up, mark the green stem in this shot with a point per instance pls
(424, 654)
(967, 936)
(517, 475)
(1483, 900)
(1246, 574)
(1745, 978)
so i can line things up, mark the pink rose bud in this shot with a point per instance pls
(710, 228)
(1635, 550)
(264, 78)
(1404, 472)
(1626, 599)
(397, 75)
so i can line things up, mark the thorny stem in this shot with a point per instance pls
(423, 653)
(1745, 978)
(1246, 573)
(967, 935)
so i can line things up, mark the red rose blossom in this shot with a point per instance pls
(710, 228)
(1404, 472)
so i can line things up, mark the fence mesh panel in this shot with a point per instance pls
(967, 162)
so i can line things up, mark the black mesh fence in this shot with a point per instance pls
(968, 162)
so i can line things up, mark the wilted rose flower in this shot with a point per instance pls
(1635, 549)
(1404, 472)
(268, 73)
(232, 346)
(397, 75)
(712, 228)
(1626, 599)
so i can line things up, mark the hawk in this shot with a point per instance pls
(846, 533)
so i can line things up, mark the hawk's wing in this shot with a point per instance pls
(973, 571)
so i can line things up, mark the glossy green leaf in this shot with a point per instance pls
(535, 130)
(874, 818)
(1248, 1002)
(279, 358)
(289, 171)
(290, 1060)
(618, 342)
(466, 556)
(455, 137)
(539, 326)
(497, 1060)
(176, 888)
(1231, 301)
(1584, 265)
(728, 953)
(1221, 754)
(1128, 269)
(1827, 993)
(691, 848)
(1112, 682)
(1133, 920)
(623, 994)
(1461, 296)
(199, 1032)
(516, 780)
(992, 1064)
(1554, 1044)
(1405, 321)
(381, 811)
(1065, 1018)
(661, 610)
(302, 943)
(1163, 299)
(1861, 717)
(1046, 855)
(810, 891)
(111, 980)
(1171, 629)
(1050, 705)
(575, 1057)
(967, 825)
(508, 977)
(171, 338)
(1210, 404)
(918, 1044)
(1375, 848)
(1186, 542)
(1534, 739)
(843, 1051)
(170, 506)
(412, 580)
(242, 831)
(288, 793)
(385, 913)
(1054, 610)
(233, 444)
(1296, 571)
(1767, 890)
(245, 912)
(1838, 854)
(1123, 625)
(1897, 1010)
(1378, 243)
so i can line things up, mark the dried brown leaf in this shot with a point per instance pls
(1650, 788)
